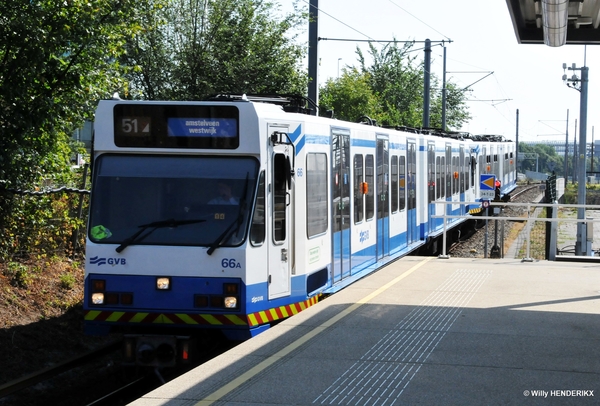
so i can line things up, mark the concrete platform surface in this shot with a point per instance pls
(421, 331)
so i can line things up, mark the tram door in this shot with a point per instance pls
(383, 201)
(340, 205)
(280, 197)
(411, 192)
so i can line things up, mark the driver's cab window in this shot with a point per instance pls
(257, 232)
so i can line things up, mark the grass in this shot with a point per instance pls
(537, 239)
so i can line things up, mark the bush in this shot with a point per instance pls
(18, 274)
(43, 222)
(592, 194)
(67, 281)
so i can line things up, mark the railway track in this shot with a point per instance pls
(153, 378)
(97, 379)
(53, 371)
(522, 190)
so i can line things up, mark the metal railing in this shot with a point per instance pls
(531, 215)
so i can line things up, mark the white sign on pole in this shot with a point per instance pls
(488, 194)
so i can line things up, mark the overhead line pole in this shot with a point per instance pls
(582, 242)
(313, 55)
(582, 246)
(517, 139)
(567, 150)
(426, 83)
(577, 147)
(444, 93)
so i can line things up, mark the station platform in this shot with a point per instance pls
(421, 331)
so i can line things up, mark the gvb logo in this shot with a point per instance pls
(97, 261)
(110, 261)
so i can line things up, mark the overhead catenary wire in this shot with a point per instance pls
(370, 39)
(389, 41)
(418, 19)
(337, 19)
(495, 103)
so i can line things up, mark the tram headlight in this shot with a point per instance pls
(163, 283)
(98, 298)
(230, 302)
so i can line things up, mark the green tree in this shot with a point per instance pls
(56, 60)
(149, 55)
(193, 49)
(541, 158)
(395, 83)
(457, 112)
(351, 96)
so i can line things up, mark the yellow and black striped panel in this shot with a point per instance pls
(251, 320)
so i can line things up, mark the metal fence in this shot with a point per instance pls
(534, 236)
(44, 222)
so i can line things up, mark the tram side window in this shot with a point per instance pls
(442, 176)
(394, 183)
(358, 189)
(402, 183)
(496, 166)
(466, 172)
(473, 167)
(316, 194)
(412, 179)
(438, 174)
(448, 171)
(454, 174)
(257, 232)
(370, 179)
(430, 173)
(512, 166)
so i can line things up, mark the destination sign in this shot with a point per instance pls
(176, 125)
(134, 125)
(202, 127)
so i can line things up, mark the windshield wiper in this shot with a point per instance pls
(224, 236)
(137, 236)
(239, 221)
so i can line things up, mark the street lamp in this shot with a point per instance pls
(339, 59)
(581, 85)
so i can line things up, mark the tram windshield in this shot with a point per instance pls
(167, 200)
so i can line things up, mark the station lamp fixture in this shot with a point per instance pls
(555, 16)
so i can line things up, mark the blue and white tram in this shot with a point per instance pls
(231, 215)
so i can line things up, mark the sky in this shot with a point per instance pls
(525, 77)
